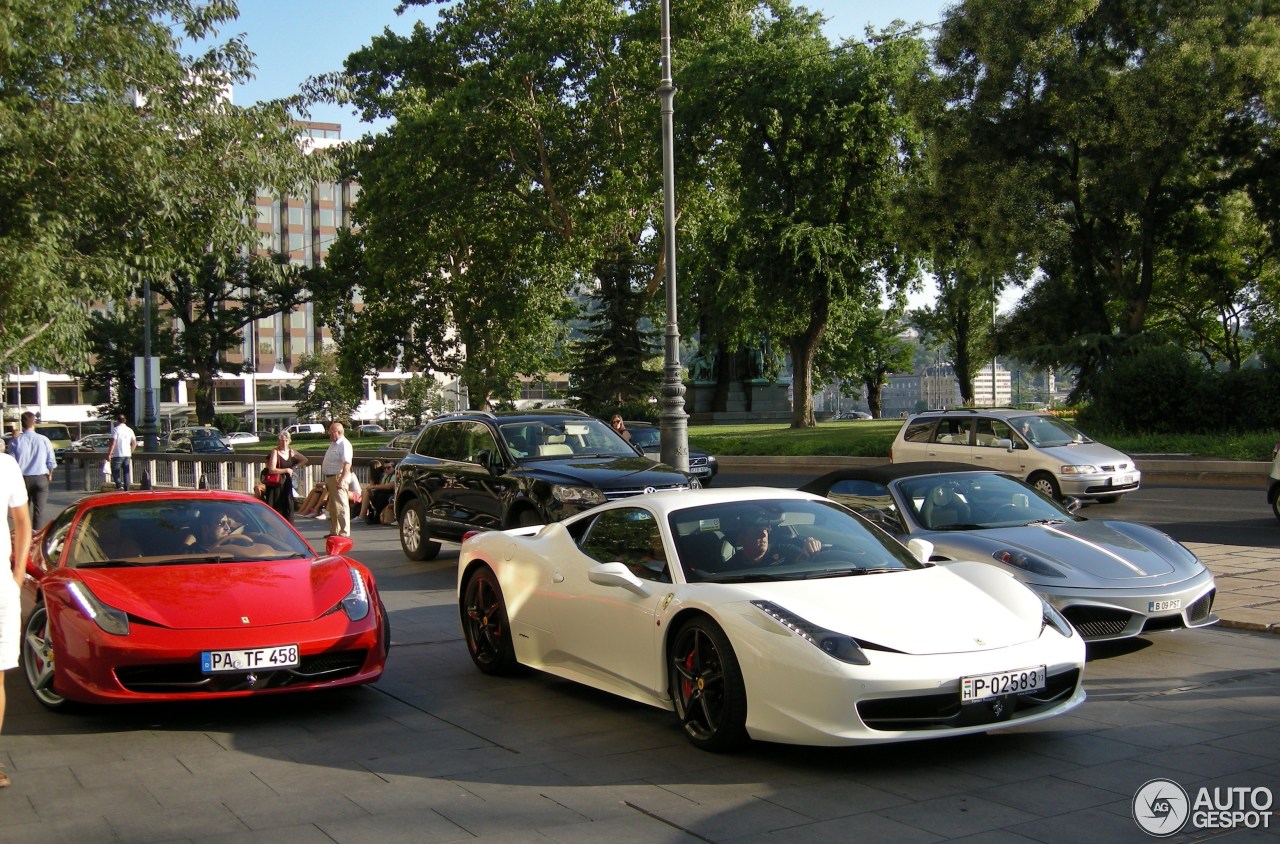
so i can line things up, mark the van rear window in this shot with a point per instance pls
(918, 432)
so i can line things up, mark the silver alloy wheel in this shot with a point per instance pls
(38, 659)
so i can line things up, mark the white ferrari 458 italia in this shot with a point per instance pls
(767, 614)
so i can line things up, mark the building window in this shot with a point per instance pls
(228, 392)
(64, 394)
(324, 190)
(326, 217)
(295, 241)
(20, 394)
(264, 215)
(295, 216)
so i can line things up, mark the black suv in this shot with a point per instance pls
(492, 471)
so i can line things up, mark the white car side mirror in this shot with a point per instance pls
(921, 549)
(617, 574)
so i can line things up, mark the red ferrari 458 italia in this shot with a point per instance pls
(181, 595)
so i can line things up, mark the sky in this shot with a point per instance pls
(293, 40)
(296, 39)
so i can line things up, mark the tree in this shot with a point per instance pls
(327, 393)
(812, 148)
(115, 339)
(861, 347)
(420, 397)
(119, 157)
(960, 321)
(213, 304)
(1120, 117)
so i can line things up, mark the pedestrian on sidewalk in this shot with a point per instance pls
(337, 468)
(13, 492)
(123, 444)
(34, 454)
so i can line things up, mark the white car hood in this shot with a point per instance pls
(957, 608)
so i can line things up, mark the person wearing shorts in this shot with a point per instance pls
(13, 491)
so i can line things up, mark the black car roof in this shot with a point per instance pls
(887, 472)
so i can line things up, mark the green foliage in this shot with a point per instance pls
(115, 339)
(120, 158)
(226, 422)
(420, 398)
(329, 395)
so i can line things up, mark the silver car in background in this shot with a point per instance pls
(1040, 448)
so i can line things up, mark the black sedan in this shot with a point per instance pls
(647, 437)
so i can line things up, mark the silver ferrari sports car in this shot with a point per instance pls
(1112, 579)
(767, 614)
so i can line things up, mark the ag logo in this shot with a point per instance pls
(1161, 808)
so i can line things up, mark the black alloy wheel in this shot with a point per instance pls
(485, 625)
(706, 687)
(414, 538)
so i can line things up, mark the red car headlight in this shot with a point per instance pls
(356, 602)
(110, 619)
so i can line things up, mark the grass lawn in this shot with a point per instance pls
(872, 438)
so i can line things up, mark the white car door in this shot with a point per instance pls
(604, 615)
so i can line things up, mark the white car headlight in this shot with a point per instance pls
(583, 496)
(1084, 469)
(106, 617)
(835, 645)
(356, 603)
(1056, 620)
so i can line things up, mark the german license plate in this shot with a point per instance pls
(1164, 606)
(1123, 480)
(1017, 682)
(252, 659)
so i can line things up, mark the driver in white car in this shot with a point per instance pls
(751, 539)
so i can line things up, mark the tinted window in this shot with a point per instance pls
(446, 441)
(952, 430)
(479, 439)
(630, 536)
(919, 432)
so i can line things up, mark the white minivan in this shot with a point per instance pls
(1040, 448)
(305, 428)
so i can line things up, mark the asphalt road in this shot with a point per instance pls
(438, 752)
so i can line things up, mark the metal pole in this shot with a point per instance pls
(673, 422)
(150, 438)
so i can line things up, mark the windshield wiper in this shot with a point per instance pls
(188, 561)
(748, 578)
(1046, 522)
(851, 572)
(961, 527)
(106, 564)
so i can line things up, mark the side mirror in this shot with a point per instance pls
(337, 545)
(921, 549)
(1007, 445)
(617, 574)
(489, 460)
(1072, 504)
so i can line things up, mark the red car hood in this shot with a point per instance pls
(196, 597)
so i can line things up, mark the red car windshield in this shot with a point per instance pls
(176, 532)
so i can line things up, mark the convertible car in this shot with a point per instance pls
(172, 595)
(766, 614)
(1112, 579)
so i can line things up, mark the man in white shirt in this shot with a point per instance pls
(13, 492)
(123, 443)
(336, 468)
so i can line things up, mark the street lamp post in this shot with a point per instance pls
(673, 422)
(150, 436)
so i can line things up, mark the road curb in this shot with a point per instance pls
(1250, 626)
(1243, 473)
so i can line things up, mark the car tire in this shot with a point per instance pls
(1044, 483)
(485, 625)
(706, 687)
(528, 518)
(38, 660)
(414, 538)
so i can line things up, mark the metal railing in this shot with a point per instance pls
(237, 472)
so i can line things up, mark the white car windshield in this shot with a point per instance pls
(781, 539)
(1047, 431)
